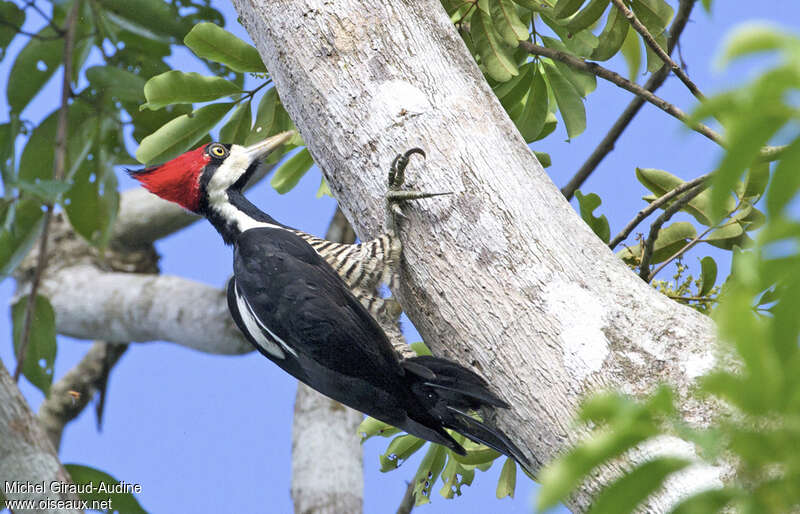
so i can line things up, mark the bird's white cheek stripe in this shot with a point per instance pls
(256, 329)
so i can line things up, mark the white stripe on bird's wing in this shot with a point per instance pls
(255, 326)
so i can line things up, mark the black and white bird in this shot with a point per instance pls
(289, 301)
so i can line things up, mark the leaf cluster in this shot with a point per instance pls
(756, 316)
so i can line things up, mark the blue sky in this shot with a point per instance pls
(205, 433)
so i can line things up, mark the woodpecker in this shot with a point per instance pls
(291, 304)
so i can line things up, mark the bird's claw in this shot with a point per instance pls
(397, 172)
(395, 195)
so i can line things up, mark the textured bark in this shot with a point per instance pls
(26, 454)
(514, 284)
(327, 468)
(137, 308)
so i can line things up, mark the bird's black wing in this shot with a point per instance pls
(300, 314)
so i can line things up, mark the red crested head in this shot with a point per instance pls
(177, 180)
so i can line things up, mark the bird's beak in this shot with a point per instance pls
(263, 148)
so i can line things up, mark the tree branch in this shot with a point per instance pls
(620, 81)
(25, 450)
(653, 44)
(138, 308)
(654, 82)
(653, 206)
(59, 160)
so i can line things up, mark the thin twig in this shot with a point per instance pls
(685, 248)
(59, 161)
(647, 211)
(48, 19)
(19, 30)
(669, 212)
(692, 298)
(408, 501)
(619, 80)
(653, 44)
(654, 82)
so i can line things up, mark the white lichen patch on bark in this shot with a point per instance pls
(585, 345)
(397, 100)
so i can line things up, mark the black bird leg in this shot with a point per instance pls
(395, 196)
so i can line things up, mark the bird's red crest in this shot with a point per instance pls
(177, 180)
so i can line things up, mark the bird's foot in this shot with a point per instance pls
(395, 196)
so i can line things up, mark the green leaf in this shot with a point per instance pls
(33, 67)
(495, 56)
(214, 43)
(569, 101)
(785, 180)
(599, 225)
(236, 130)
(177, 87)
(371, 427)
(511, 93)
(399, 450)
(507, 22)
(508, 480)
(291, 171)
(8, 136)
(584, 83)
(611, 39)
(655, 15)
(428, 472)
(669, 240)
(47, 190)
(543, 158)
(581, 43)
(564, 8)
(654, 62)
(15, 17)
(120, 84)
(632, 51)
(587, 16)
(323, 189)
(124, 502)
(180, 134)
(477, 457)
(531, 120)
(626, 493)
(265, 117)
(660, 182)
(453, 477)
(41, 351)
(420, 348)
(708, 275)
(147, 18)
(757, 38)
(18, 237)
(93, 201)
(706, 5)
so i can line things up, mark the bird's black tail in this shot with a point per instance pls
(449, 392)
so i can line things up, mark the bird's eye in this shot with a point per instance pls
(217, 150)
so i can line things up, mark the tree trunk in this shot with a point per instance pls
(502, 276)
(26, 455)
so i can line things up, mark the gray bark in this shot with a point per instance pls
(26, 455)
(502, 276)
